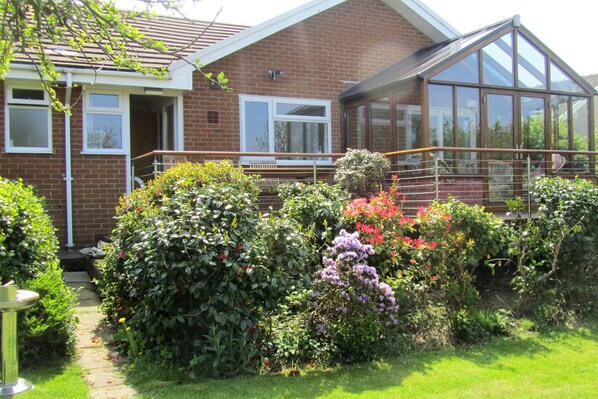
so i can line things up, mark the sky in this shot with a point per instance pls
(568, 27)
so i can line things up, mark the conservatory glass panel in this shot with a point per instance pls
(356, 127)
(468, 128)
(531, 66)
(380, 126)
(560, 122)
(497, 61)
(581, 129)
(560, 81)
(465, 71)
(441, 116)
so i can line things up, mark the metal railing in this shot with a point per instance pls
(487, 177)
(479, 176)
(273, 168)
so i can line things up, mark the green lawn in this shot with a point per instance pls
(64, 382)
(557, 365)
(560, 365)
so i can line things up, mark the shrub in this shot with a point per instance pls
(555, 252)
(315, 206)
(28, 246)
(483, 232)
(181, 272)
(361, 172)
(195, 271)
(474, 326)
(351, 308)
(291, 343)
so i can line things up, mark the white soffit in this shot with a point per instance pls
(424, 19)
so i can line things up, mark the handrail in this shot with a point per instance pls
(487, 150)
(240, 154)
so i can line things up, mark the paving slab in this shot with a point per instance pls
(103, 374)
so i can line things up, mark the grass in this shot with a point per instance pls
(562, 364)
(65, 382)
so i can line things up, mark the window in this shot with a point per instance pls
(29, 120)
(285, 125)
(104, 127)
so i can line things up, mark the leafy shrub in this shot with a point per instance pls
(28, 246)
(315, 206)
(351, 308)
(291, 343)
(285, 248)
(483, 232)
(361, 172)
(381, 223)
(555, 252)
(182, 273)
(475, 326)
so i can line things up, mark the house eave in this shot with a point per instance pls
(179, 80)
(422, 17)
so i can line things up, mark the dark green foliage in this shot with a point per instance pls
(291, 343)
(193, 267)
(315, 206)
(475, 326)
(555, 252)
(28, 248)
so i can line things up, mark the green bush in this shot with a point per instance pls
(28, 246)
(554, 253)
(483, 232)
(315, 206)
(291, 343)
(193, 269)
(361, 172)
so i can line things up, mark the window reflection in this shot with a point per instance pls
(356, 127)
(380, 125)
(256, 127)
(441, 116)
(498, 62)
(560, 81)
(560, 123)
(531, 67)
(466, 71)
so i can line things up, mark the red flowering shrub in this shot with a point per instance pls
(382, 224)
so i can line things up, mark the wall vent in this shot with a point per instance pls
(213, 117)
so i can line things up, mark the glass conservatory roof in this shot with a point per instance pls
(458, 61)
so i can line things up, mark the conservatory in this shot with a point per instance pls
(476, 117)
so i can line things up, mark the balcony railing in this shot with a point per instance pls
(273, 168)
(486, 177)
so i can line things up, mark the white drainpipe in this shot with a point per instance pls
(68, 175)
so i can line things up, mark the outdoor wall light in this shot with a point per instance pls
(274, 74)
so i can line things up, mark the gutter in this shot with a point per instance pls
(68, 177)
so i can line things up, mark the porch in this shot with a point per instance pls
(486, 177)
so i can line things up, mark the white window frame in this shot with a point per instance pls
(122, 110)
(19, 103)
(273, 117)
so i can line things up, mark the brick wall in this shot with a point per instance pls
(349, 42)
(98, 180)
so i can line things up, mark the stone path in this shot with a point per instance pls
(103, 376)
